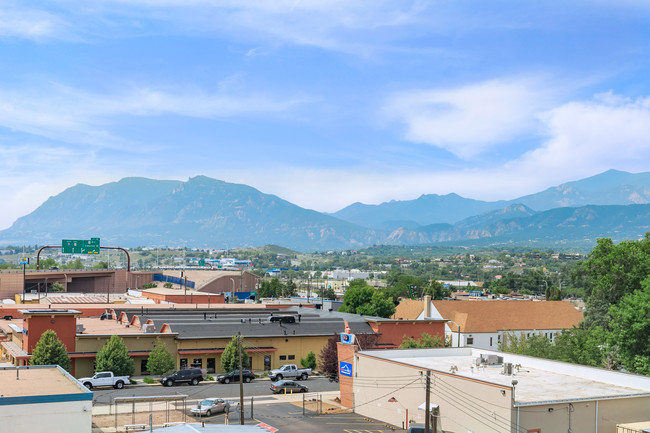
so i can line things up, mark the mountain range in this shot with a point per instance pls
(205, 212)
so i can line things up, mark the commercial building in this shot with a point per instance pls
(197, 335)
(43, 398)
(487, 391)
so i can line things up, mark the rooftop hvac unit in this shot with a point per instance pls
(149, 328)
(80, 328)
(507, 368)
(491, 359)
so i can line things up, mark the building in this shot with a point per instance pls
(197, 335)
(486, 324)
(43, 398)
(480, 390)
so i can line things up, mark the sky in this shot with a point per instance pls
(323, 103)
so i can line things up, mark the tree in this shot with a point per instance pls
(328, 363)
(613, 271)
(425, 340)
(437, 291)
(114, 356)
(56, 287)
(270, 289)
(230, 356)
(76, 264)
(630, 327)
(50, 351)
(367, 300)
(168, 285)
(160, 361)
(309, 361)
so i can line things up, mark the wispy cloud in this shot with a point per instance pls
(76, 116)
(469, 120)
(27, 23)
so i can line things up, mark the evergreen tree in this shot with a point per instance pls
(309, 361)
(230, 356)
(50, 351)
(160, 361)
(114, 356)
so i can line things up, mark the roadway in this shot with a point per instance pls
(284, 412)
(258, 387)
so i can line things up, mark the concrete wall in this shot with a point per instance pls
(224, 283)
(69, 417)
(586, 416)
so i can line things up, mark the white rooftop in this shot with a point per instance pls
(538, 380)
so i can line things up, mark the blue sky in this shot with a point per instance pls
(323, 103)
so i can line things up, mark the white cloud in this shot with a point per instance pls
(76, 116)
(17, 21)
(470, 120)
(585, 137)
(359, 27)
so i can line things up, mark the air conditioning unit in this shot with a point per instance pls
(149, 328)
(507, 368)
(80, 328)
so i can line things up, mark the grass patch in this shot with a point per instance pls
(148, 380)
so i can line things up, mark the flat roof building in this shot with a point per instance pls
(43, 399)
(482, 390)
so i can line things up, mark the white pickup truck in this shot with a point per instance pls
(105, 378)
(289, 370)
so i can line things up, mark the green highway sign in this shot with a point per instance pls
(79, 246)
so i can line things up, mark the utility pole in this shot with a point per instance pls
(241, 384)
(427, 409)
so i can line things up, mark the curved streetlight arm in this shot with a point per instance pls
(128, 257)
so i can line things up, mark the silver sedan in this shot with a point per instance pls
(210, 406)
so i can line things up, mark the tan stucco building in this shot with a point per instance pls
(504, 393)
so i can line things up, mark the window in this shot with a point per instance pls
(197, 362)
(211, 365)
(470, 340)
(292, 357)
(283, 357)
(183, 363)
(490, 341)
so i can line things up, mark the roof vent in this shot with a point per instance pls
(80, 328)
(507, 368)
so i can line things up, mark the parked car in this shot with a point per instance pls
(289, 371)
(233, 376)
(209, 406)
(105, 378)
(417, 428)
(287, 386)
(190, 375)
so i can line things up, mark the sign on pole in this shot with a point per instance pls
(79, 246)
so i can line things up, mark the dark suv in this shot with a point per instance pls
(233, 376)
(190, 375)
